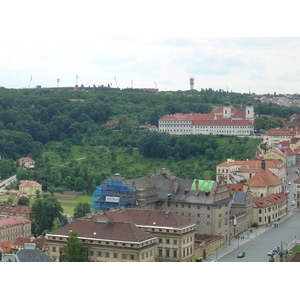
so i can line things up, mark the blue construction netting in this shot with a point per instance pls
(115, 188)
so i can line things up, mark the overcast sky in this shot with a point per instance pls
(145, 44)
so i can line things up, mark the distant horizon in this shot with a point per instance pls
(137, 88)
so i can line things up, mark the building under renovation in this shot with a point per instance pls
(113, 194)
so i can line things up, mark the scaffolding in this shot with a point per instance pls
(113, 194)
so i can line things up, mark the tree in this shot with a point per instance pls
(79, 184)
(74, 251)
(46, 210)
(81, 209)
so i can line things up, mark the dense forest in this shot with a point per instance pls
(34, 122)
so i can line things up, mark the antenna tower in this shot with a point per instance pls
(192, 83)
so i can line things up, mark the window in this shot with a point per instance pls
(131, 257)
(106, 254)
(123, 256)
(99, 253)
(115, 255)
(91, 252)
(167, 241)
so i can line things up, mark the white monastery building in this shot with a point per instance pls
(225, 120)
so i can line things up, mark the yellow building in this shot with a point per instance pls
(270, 208)
(30, 187)
(16, 210)
(12, 227)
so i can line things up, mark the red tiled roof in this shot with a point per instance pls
(264, 178)
(156, 218)
(269, 200)
(15, 208)
(236, 188)
(5, 246)
(116, 231)
(8, 221)
(29, 183)
(282, 131)
(26, 159)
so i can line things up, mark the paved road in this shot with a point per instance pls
(260, 241)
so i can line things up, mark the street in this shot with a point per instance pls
(256, 247)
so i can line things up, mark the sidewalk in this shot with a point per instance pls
(234, 243)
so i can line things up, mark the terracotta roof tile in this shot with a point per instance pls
(269, 200)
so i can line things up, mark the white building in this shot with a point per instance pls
(225, 120)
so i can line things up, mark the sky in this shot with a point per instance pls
(143, 44)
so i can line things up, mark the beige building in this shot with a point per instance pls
(105, 240)
(264, 183)
(12, 227)
(30, 187)
(239, 171)
(297, 194)
(26, 162)
(270, 208)
(175, 234)
(130, 235)
(276, 135)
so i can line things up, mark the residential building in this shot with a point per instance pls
(275, 135)
(30, 188)
(297, 194)
(16, 210)
(227, 120)
(241, 171)
(12, 227)
(269, 208)
(105, 240)
(26, 162)
(29, 253)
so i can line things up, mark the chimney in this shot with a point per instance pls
(197, 184)
(175, 185)
(263, 164)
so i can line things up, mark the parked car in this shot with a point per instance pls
(293, 203)
(241, 254)
(271, 252)
(289, 183)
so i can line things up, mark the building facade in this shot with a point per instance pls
(30, 188)
(12, 227)
(270, 208)
(230, 121)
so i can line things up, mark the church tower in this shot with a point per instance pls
(227, 109)
(249, 109)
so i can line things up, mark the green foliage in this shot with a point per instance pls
(74, 251)
(81, 209)
(46, 210)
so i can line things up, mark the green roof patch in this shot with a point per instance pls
(204, 185)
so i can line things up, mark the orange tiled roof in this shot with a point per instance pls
(269, 200)
(15, 208)
(26, 159)
(264, 178)
(29, 183)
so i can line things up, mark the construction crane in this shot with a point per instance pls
(116, 82)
